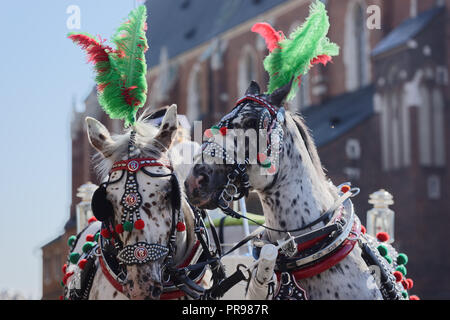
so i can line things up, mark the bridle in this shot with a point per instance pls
(141, 252)
(183, 276)
(270, 123)
(271, 119)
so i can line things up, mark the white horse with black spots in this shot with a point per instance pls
(155, 210)
(297, 196)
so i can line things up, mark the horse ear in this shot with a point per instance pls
(253, 88)
(99, 137)
(167, 130)
(277, 97)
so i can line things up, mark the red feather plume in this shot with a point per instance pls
(96, 51)
(269, 34)
(323, 59)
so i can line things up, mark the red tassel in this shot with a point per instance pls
(139, 224)
(223, 131)
(181, 227)
(105, 233)
(269, 34)
(119, 228)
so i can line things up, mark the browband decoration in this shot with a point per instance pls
(134, 165)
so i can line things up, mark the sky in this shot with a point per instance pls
(43, 76)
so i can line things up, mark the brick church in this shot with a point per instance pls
(377, 113)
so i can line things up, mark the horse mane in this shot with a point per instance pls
(309, 143)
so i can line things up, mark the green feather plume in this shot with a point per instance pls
(305, 46)
(120, 72)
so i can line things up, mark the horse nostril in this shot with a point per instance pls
(203, 180)
(156, 292)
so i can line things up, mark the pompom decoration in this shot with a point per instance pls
(405, 294)
(92, 219)
(405, 284)
(90, 237)
(82, 263)
(223, 131)
(215, 130)
(119, 228)
(64, 268)
(345, 188)
(105, 233)
(71, 240)
(382, 250)
(414, 298)
(388, 259)
(363, 229)
(121, 72)
(181, 226)
(208, 133)
(73, 257)
(272, 169)
(291, 58)
(88, 246)
(402, 269)
(382, 236)
(398, 276)
(96, 236)
(139, 224)
(127, 226)
(410, 283)
(402, 259)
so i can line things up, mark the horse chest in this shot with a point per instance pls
(348, 280)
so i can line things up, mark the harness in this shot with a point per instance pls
(310, 253)
(113, 257)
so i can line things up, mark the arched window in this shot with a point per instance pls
(356, 56)
(247, 69)
(360, 36)
(195, 98)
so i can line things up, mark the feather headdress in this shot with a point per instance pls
(292, 57)
(120, 72)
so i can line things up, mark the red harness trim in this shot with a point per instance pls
(332, 260)
(166, 295)
(133, 165)
(263, 102)
(108, 276)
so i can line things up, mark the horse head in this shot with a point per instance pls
(139, 204)
(254, 133)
